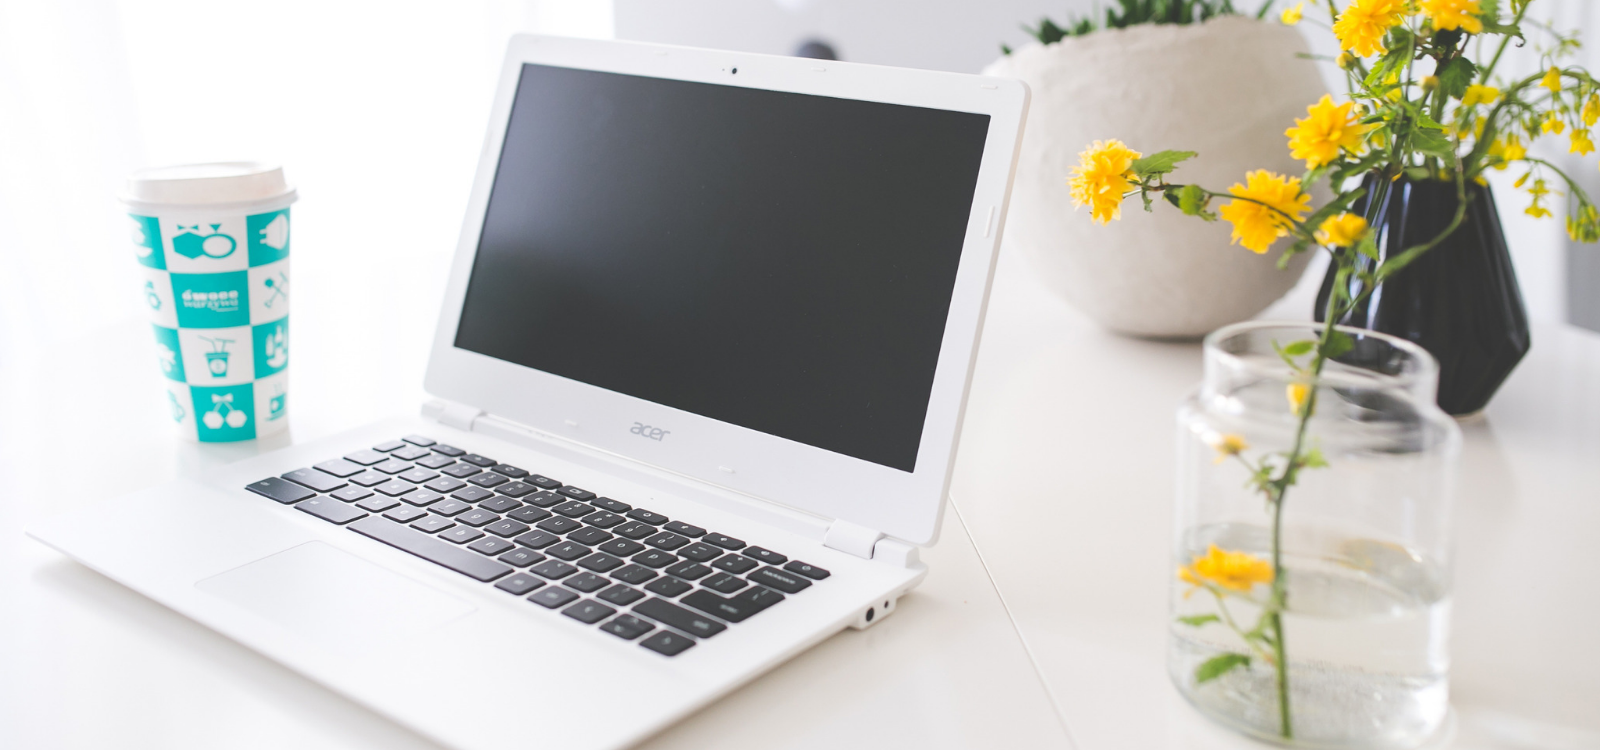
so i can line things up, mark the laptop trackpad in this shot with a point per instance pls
(334, 597)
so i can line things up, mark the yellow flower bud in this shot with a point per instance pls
(1552, 80)
(1291, 16)
(1346, 60)
(1430, 83)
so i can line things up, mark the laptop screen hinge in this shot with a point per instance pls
(459, 416)
(848, 537)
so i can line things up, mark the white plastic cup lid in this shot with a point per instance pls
(205, 184)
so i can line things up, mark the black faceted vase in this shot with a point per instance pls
(1459, 300)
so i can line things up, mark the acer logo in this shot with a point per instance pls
(654, 433)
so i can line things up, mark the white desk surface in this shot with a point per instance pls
(1064, 486)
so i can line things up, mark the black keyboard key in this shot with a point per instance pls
(519, 584)
(339, 468)
(554, 569)
(667, 540)
(588, 583)
(392, 467)
(545, 499)
(433, 524)
(477, 517)
(331, 510)
(634, 574)
(516, 489)
(588, 612)
(688, 530)
(634, 530)
(767, 556)
(667, 586)
(733, 608)
(461, 561)
(472, 494)
(654, 558)
(667, 613)
(450, 507)
(620, 595)
(499, 504)
(723, 583)
(351, 494)
(529, 514)
(421, 440)
(460, 534)
(553, 597)
(615, 506)
(667, 644)
(603, 519)
(589, 535)
(620, 547)
(559, 525)
(537, 539)
(395, 488)
(735, 564)
(628, 627)
(317, 480)
(369, 478)
(700, 552)
(806, 569)
(488, 480)
(724, 541)
(520, 557)
(573, 509)
(418, 476)
(422, 498)
(542, 482)
(567, 551)
(410, 453)
(640, 514)
(448, 450)
(392, 445)
(282, 490)
(688, 570)
(576, 493)
(435, 461)
(460, 471)
(479, 461)
(366, 457)
(601, 562)
(405, 514)
(788, 583)
(510, 471)
(490, 545)
(506, 528)
(445, 485)
(378, 503)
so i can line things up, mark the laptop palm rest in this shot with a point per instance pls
(328, 595)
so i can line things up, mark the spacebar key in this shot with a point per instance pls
(430, 549)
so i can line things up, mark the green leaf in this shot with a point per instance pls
(1005, 49)
(1314, 459)
(1298, 348)
(1397, 57)
(1160, 162)
(1368, 247)
(1218, 666)
(1418, 173)
(1433, 143)
(1456, 75)
(1338, 343)
(1198, 620)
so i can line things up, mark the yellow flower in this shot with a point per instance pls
(1584, 226)
(1291, 16)
(1237, 571)
(1343, 230)
(1538, 191)
(1257, 226)
(1330, 127)
(1552, 80)
(1591, 110)
(1552, 123)
(1580, 142)
(1297, 393)
(1523, 180)
(1361, 26)
(1448, 15)
(1507, 150)
(1102, 177)
(1228, 446)
(1479, 95)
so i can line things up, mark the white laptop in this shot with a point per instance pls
(699, 375)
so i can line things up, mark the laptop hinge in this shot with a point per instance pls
(848, 537)
(459, 416)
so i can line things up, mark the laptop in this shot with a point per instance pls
(696, 389)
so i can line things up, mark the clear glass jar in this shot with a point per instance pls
(1347, 579)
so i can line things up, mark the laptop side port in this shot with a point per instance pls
(874, 614)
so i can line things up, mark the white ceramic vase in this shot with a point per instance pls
(1227, 89)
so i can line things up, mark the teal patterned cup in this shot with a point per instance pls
(212, 241)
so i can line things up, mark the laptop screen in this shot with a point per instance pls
(782, 262)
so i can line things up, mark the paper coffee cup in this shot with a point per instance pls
(212, 241)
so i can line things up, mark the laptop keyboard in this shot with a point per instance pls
(633, 573)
